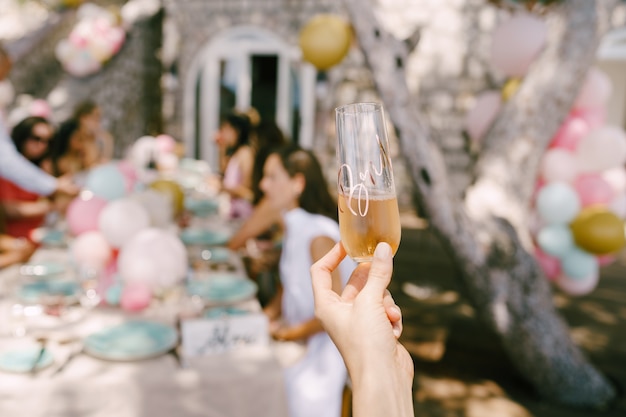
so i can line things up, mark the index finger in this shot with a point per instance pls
(321, 270)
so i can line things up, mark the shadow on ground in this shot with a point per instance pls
(460, 369)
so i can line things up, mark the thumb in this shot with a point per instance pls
(380, 272)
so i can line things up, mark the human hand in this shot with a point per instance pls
(364, 322)
(66, 185)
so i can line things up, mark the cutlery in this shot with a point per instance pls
(69, 358)
(42, 349)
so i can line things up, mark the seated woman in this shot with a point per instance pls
(294, 184)
(26, 211)
(89, 116)
(72, 151)
(234, 138)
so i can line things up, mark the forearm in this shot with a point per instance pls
(380, 390)
(262, 218)
(22, 210)
(17, 169)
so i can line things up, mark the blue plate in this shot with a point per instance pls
(33, 292)
(202, 207)
(53, 238)
(216, 254)
(22, 360)
(218, 312)
(42, 269)
(204, 237)
(223, 288)
(132, 340)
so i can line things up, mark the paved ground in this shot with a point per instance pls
(460, 370)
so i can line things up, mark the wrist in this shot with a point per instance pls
(380, 390)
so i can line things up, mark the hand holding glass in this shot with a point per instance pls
(368, 207)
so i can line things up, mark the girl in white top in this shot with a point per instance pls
(293, 182)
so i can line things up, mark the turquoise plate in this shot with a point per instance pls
(42, 269)
(131, 341)
(201, 207)
(33, 292)
(204, 237)
(218, 312)
(22, 360)
(217, 254)
(53, 238)
(223, 288)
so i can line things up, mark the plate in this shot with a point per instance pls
(35, 292)
(218, 312)
(204, 237)
(48, 237)
(133, 340)
(217, 254)
(21, 360)
(223, 288)
(202, 207)
(42, 269)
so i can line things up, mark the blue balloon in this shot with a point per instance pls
(578, 264)
(557, 203)
(556, 239)
(106, 181)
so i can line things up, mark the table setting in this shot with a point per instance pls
(100, 320)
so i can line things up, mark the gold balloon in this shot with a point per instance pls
(510, 88)
(172, 189)
(325, 40)
(598, 231)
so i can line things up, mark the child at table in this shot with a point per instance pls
(293, 182)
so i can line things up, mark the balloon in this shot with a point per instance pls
(165, 144)
(618, 206)
(7, 93)
(106, 181)
(91, 249)
(174, 191)
(592, 189)
(158, 206)
(142, 151)
(480, 118)
(550, 265)
(83, 212)
(598, 230)
(604, 260)
(510, 88)
(559, 165)
(557, 203)
(555, 239)
(595, 91)
(41, 108)
(516, 43)
(113, 294)
(570, 133)
(594, 117)
(130, 175)
(136, 296)
(602, 149)
(155, 257)
(578, 264)
(577, 287)
(325, 40)
(121, 219)
(616, 178)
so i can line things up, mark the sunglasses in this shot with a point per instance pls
(40, 139)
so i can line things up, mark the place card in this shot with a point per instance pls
(207, 336)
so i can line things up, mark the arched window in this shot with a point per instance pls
(243, 67)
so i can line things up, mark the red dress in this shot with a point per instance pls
(19, 227)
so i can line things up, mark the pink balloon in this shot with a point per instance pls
(617, 178)
(594, 117)
(130, 174)
(603, 148)
(41, 108)
(83, 212)
(559, 165)
(538, 185)
(605, 260)
(516, 43)
(91, 249)
(593, 189)
(618, 205)
(482, 115)
(570, 133)
(165, 144)
(550, 265)
(577, 287)
(595, 91)
(136, 296)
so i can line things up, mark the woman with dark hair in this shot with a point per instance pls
(233, 138)
(89, 116)
(294, 184)
(71, 152)
(25, 210)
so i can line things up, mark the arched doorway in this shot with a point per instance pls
(243, 67)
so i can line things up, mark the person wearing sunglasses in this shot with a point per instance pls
(25, 210)
(17, 169)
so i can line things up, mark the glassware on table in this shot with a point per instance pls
(368, 206)
(88, 279)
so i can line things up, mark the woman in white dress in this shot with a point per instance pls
(293, 181)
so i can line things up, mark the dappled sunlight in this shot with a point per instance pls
(501, 315)
(598, 312)
(430, 294)
(589, 339)
(460, 398)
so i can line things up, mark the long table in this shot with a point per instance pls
(244, 382)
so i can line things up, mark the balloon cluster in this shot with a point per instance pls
(94, 40)
(119, 231)
(25, 106)
(325, 40)
(580, 201)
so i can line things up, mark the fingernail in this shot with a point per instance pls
(383, 251)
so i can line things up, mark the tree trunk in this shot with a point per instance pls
(491, 244)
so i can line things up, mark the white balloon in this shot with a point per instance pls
(577, 287)
(602, 149)
(559, 165)
(121, 219)
(142, 151)
(480, 118)
(616, 177)
(158, 205)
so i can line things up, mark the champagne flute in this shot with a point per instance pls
(368, 207)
